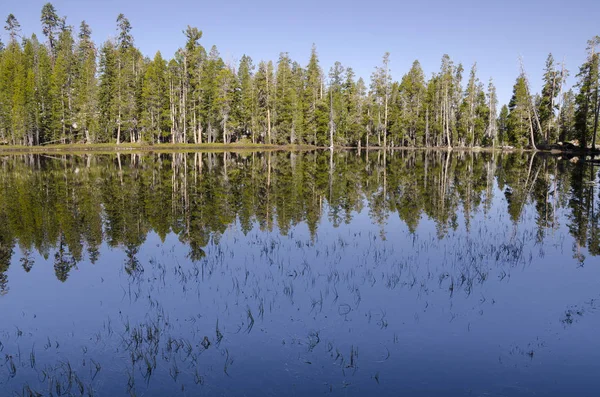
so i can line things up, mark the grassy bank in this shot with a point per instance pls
(246, 147)
(144, 147)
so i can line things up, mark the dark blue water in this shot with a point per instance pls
(421, 274)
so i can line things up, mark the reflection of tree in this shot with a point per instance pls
(64, 261)
(6, 250)
(583, 217)
(72, 204)
(132, 264)
(26, 260)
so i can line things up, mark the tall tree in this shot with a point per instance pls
(247, 105)
(491, 132)
(52, 25)
(381, 86)
(155, 101)
(588, 97)
(85, 85)
(284, 101)
(264, 97)
(520, 123)
(62, 88)
(548, 105)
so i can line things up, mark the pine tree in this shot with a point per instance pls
(61, 88)
(587, 100)
(247, 105)
(284, 101)
(566, 117)
(313, 95)
(128, 78)
(503, 125)
(13, 84)
(85, 85)
(410, 101)
(108, 100)
(52, 26)
(548, 105)
(354, 107)
(519, 121)
(193, 56)
(468, 107)
(337, 105)
(264, 98)
(155, 110)
(225, 102)
(209, 86)
(298, 120)
(491, 132)
(13, 27)
(381, 88)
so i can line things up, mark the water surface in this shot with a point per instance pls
(407, 273)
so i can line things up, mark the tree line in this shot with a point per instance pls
(67, 90)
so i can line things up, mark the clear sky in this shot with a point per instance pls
(355, 33)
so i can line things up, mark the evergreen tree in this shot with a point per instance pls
(226, 103)
(353, 101)
(211, 112)
(108, 101)
(491, 132)
(52, 26)
(247, 103)
(264, 99)
(337, 106)
(314, 97)
(85, 86)
(193, 56)
(155, 112)
(548, 106)
(298, 120)
(13, 27)
(285, 93)
(411, 100)
(519, 121)
(503, 125)
(586, 119)
(62, 89)
(381, 88)
(566, 117)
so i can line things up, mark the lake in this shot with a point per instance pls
(418, 273)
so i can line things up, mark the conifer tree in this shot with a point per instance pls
(155, 112)
(52, 25)
(548, 105)
(519, 121)
(284, 101)
(247, 105)
(85, 85)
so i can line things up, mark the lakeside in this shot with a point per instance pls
(254, 147)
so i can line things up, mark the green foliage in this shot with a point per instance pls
(519, 121)
(68, 90)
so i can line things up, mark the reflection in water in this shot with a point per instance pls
(344, 273)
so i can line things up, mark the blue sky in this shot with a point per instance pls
(357, 34)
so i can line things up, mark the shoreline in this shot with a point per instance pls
(103, 148)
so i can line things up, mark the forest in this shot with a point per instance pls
(65, 89)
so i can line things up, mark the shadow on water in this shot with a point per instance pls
(430, 273)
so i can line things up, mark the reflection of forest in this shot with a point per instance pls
(63, 206)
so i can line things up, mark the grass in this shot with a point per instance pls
(145, 147)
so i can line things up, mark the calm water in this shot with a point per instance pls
(414, 273)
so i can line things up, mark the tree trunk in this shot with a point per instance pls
(531, 132)
(596, 114)
(331, 119)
